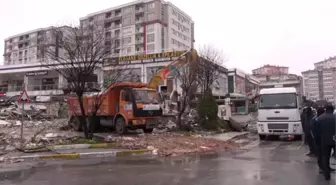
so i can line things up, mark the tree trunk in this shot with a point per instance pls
(82, 118)
(181, 111)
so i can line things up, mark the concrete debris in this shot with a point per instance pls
(43, 98)
(171, 144)
(18, 123)
(2, 122)
(34, 111)
(35, 134)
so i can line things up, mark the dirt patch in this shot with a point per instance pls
(172, 144)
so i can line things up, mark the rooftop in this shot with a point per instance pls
(326, 60)
(130, 4)
(28, 32)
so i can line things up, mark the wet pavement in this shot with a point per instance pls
(266, 163)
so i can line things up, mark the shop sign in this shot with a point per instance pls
(36, 73)
(152, 57)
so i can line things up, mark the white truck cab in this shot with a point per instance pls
(279, 113)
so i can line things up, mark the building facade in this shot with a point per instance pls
(326, 64)
(241, 83)
(320, 84)
(137, 28)
(143, 27)
(269, 70)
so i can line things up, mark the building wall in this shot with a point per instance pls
(242, 83)
(270, 70)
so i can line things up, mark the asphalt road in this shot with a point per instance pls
(270, 162)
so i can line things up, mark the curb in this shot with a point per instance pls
(84, 155)
(69, 147)
(82, 146)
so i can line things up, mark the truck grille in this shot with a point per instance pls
(278, 126)
(277, 118)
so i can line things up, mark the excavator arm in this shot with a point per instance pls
(171, 69)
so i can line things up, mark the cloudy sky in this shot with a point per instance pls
(293, 33)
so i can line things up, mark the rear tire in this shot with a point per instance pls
(148, 130)
(262, 137)
(120, 126)
(298, 138)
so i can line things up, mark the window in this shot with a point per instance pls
(150, 28)
(127, 30)
(150, 16)
(129, 50)
(151, 37)
(151, 5)
(127, 10)
(127, 21)
(278, 101)
(174, 32)
(127, 40)
(150, 47)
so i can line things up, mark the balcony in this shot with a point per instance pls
(138, 41)
(138, 21)
(139, 10)
(139, 30)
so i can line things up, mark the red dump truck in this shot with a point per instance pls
(126, 105)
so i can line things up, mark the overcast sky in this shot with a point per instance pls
(293, 33)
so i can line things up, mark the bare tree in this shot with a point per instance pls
(187, 76)
(75, 53)
(210, 66)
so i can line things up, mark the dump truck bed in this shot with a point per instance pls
(103, 103)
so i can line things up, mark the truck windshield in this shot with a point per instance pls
(145, 96)
(278, 101)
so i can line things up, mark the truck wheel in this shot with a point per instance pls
(148, 130)
(298, 138)
(262, 137)
(120, 126)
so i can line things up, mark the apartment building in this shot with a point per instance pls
(320, 84)
(139, 28)
(326, 64)
(143, 27)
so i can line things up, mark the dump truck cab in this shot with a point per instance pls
(140, 107)
(126, 105)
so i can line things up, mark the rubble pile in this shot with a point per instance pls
(168, 122)
(46, 111)
(35, 133)
(172, 144)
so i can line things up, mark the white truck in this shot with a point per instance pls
(279, 113)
